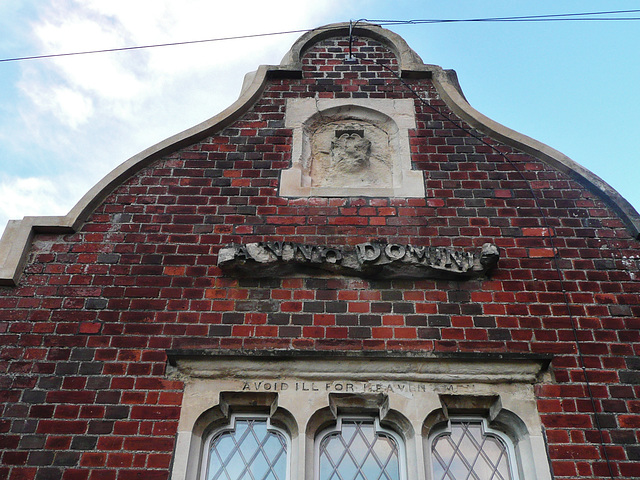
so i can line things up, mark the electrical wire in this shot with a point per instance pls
(523, 18)
(551, 236)
(140, 47)
(585, 16)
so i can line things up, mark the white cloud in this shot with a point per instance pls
(32, 196)
(79, 117)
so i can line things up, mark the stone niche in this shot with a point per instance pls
(351, 147)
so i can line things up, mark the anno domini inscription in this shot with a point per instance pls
(369, 259)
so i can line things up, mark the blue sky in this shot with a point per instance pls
(65, 123)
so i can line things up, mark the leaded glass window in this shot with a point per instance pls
(251, 450)
(359, 449)
(468, 450)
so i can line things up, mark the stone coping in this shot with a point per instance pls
(17, 237)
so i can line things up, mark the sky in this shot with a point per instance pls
(66, 122)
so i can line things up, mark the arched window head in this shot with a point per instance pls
(358, 448)
(250, 448)
(468, 449)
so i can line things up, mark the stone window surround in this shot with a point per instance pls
(379, 429)
(410, 395)
(230, 427)
(507, 441)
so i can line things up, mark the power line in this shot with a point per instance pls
(140, 47)
(584, 16)
(565, 17)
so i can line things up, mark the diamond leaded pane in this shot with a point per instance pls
(468, 453)
(358, 452)
(249, 452)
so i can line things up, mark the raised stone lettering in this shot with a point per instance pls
(305, 250)
(394, 251)
(368, 259)
(332, 255)
(418, 252)
(275, 248)
(368, 252)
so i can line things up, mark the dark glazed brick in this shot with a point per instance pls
(633, 363)
(403, 308)
(484, 321)
(499, 334)
(459, 296)
(438, 321)
(93, 368)
(429, 333)
(82, 354)
(66, 459)
(117, 412)
(633, 452)
(219, 330)
(40, 457)
(278, 318)
(34, 396)
(313, 307)
(336, 307)
(391, 295)
(98, 383)
(290, 332)
(50, 383)
(359, 332)
(84, 442)
(67, 368)
(108, 258)
(232, 318)
(607, 420)
(29, 442)
(632, 377)
(96, 303)
(24, 426)
(623, 436)
(49, 474)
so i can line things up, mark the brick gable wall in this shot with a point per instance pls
(83, 337)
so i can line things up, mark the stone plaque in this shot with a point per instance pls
(351, 147)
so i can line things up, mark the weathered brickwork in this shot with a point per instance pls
(83, 336)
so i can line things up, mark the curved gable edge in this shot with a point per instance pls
(16, 239)
(18, 235)
(449, 89)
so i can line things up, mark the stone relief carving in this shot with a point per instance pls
(349, 154)
(351, 147)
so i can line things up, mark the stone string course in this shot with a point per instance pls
(83, 337)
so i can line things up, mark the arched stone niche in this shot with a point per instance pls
(351, 147)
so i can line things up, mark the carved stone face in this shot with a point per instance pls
(350, 152)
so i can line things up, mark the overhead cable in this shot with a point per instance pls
(563, 17)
